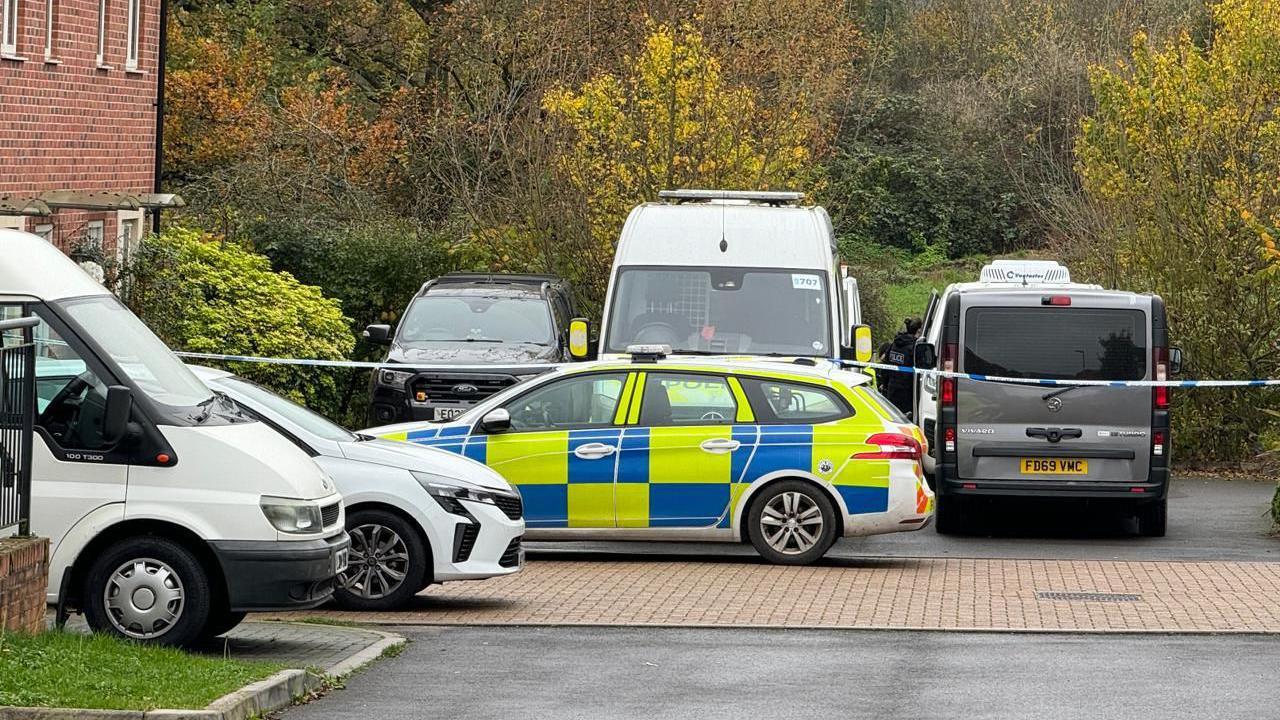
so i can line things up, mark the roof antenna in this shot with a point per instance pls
(724, 242)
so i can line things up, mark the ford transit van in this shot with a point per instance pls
(170, 513)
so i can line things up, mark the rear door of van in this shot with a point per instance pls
(1009, 431)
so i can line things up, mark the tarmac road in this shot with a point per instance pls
(1209, 519)
(607, 673)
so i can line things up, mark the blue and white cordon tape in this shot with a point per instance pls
(842, 363)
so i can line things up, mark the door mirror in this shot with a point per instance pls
(926, 356)
(861, 335)
(1175, 361)
(378, 334)
(496, 421)
(115, 418)
(579, 339)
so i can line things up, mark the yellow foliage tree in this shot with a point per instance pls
(1182, 159)
(673, 121)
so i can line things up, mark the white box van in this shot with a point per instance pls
(717, 272)
(169, 512)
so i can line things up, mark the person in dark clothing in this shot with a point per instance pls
(897, 386)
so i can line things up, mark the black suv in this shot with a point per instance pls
(499, 329)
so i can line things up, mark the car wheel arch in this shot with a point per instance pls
(749, 496)
(382, 506)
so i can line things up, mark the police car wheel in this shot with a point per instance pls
(388, 562)
(792, 522)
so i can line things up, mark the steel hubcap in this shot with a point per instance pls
(791, 523)
(144, 598)
(379, 561)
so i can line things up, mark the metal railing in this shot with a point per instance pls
(17, 418)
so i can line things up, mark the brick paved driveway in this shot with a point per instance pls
(938, 593)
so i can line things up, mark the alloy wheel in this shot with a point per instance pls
(379, 561)
(791, 523)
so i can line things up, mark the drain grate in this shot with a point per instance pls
(1088, 596)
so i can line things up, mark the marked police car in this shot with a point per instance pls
(416, 516)
(787, 456)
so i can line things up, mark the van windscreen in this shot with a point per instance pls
(1056, 343)
(755, 311)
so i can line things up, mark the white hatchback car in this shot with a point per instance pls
(416, 515)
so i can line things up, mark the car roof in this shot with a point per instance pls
(34, 267)
(820, 372)
(664, 233)
(1038, 291)
(483, 290)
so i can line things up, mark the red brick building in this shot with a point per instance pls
(78, 120)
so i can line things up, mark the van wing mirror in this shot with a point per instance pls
(115, 417)
(496, 421)
(378, 334)
(1175, 361)
(580, 339)
(926, 356)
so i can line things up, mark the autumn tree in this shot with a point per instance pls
(1180, 159)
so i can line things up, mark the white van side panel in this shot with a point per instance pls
(74, 541)
(65, 492)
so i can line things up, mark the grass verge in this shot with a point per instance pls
(60, 669)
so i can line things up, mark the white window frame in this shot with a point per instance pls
(49, 12)
(101, 227)
(13, 222)
(102, 34)
(126, 246)
(9, 16)
(45, 231)
(133, 38)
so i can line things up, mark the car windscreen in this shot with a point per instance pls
(1056, 343)
(721, 310)
(474, 318)
(277, 408)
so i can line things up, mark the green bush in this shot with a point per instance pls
(201, 294)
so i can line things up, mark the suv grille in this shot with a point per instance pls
(453, 388)
(509, 504)
(329, 514)
(511, 556)
(464, 541)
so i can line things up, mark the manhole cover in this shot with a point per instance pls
(1088, 596)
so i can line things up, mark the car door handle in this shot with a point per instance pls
(594, 451)
(719, 446)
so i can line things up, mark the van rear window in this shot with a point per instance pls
(1056, 343)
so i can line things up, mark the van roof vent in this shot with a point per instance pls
(1025, 272)
(770, 197)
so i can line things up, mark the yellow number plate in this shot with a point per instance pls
(1054, 466)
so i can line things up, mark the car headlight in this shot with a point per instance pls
(289, 515)
(393, 378)
(447, 492)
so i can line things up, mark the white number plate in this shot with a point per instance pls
(443, 413)
(340, 560)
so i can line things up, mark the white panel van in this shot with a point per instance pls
(169, 512)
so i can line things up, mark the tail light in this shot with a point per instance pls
(893, 446)
(1157, 443)
(948, 364)
(1160, 363)
(949, 440)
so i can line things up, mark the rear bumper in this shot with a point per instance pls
(279, 575)
(1156, 487)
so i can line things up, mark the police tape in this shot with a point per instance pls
(1053, 382)
(357, 364)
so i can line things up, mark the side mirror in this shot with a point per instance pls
(1175, 361)
(861, 335)
(378, 334)
(496, 420)
(115, 418)
(926, 356)
(579, 339)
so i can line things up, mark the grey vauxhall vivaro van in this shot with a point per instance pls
(1027, 320)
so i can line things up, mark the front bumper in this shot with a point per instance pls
(279, 574)
(486, 544)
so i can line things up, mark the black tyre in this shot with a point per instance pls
(948, 515)
(792, 522)
(221, 622)
(149, 589)
(388, 562)
(1153, 518)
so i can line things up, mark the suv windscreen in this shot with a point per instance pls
(722, 310)
(476, 318)
(1056, 343)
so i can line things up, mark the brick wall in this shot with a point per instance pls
(24, 577)
(67, 123)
